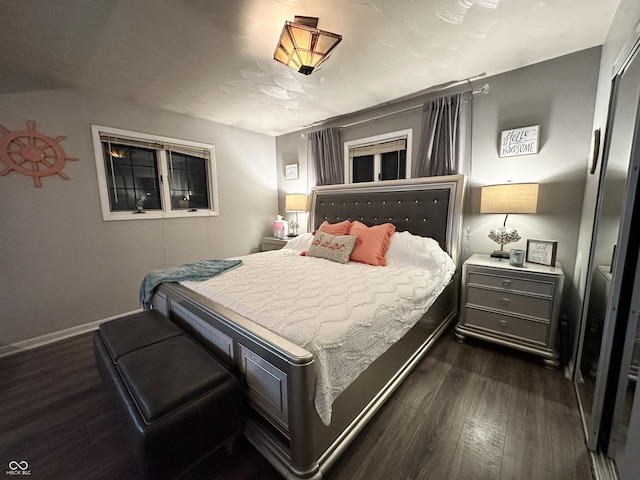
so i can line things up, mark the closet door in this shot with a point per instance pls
(599, 355)
(625, 439)
(626, 338)
(629, 464)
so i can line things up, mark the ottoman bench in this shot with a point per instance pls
(177, 402)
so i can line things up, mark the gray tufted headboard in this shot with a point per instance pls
(429, 207)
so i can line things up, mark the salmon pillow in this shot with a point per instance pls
(341, 228)
(373, 242)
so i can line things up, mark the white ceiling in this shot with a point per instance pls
(213, 59)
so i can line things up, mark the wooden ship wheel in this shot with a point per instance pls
(32, 153)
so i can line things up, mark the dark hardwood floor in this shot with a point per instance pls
(468, 411)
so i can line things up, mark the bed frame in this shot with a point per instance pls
(278, 376)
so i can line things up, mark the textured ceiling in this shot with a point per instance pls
(213, 58)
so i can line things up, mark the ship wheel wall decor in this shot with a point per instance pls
(32, 153)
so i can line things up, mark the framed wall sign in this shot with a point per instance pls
(542, 252)
(291, 171)
(519, 141)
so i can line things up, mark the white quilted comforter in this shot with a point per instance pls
(346, 315)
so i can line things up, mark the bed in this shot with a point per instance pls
(280, 377)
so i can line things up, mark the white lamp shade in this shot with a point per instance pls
(295, 202)
(509, 198)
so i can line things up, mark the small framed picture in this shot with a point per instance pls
(291, 171)
(542, 252)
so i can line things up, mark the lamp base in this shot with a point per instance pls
(499, 254)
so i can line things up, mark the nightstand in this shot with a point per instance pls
(516, 307)
(273, 243)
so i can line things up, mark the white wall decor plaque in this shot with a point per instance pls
(519, 141)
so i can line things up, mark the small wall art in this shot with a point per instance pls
(32, 153)
(519, 141)
(291, 171)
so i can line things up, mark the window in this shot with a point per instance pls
(383, 157)
(147, 176)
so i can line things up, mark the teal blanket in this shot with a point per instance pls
(197, 271)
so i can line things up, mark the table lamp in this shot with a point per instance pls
(295, 202)
(507, 198)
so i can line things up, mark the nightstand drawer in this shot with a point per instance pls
(506, 325)
(510, 302)
(270, 246)
(273, 243)
(511, 283)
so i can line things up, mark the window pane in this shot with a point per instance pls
(362, 169)
(134, 172)
(188, 182)
(394, 165)
(142, 157)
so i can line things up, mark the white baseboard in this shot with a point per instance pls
(6, 350)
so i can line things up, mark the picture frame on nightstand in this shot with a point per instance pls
(542, 252)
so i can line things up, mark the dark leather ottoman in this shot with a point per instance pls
(177, 402)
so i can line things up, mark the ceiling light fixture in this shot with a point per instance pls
(302, 46)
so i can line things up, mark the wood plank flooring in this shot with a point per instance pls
(468, 411)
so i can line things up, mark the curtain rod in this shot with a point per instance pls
(484, 90)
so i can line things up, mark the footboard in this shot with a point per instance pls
(279, 378)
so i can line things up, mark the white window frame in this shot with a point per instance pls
(165, 195)
(382, 138)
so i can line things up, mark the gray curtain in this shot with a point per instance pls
(445, 140)
(327, 160)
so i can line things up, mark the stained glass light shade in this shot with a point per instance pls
(302, 46)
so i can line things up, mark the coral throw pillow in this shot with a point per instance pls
(373, 242)
(341, 228)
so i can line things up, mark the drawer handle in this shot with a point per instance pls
(506, 283)
(505, 301)
(503, 323)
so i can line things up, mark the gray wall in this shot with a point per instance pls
(559, 96)
(61, 266)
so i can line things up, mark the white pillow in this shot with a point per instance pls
(416, 251)
(301, 243)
